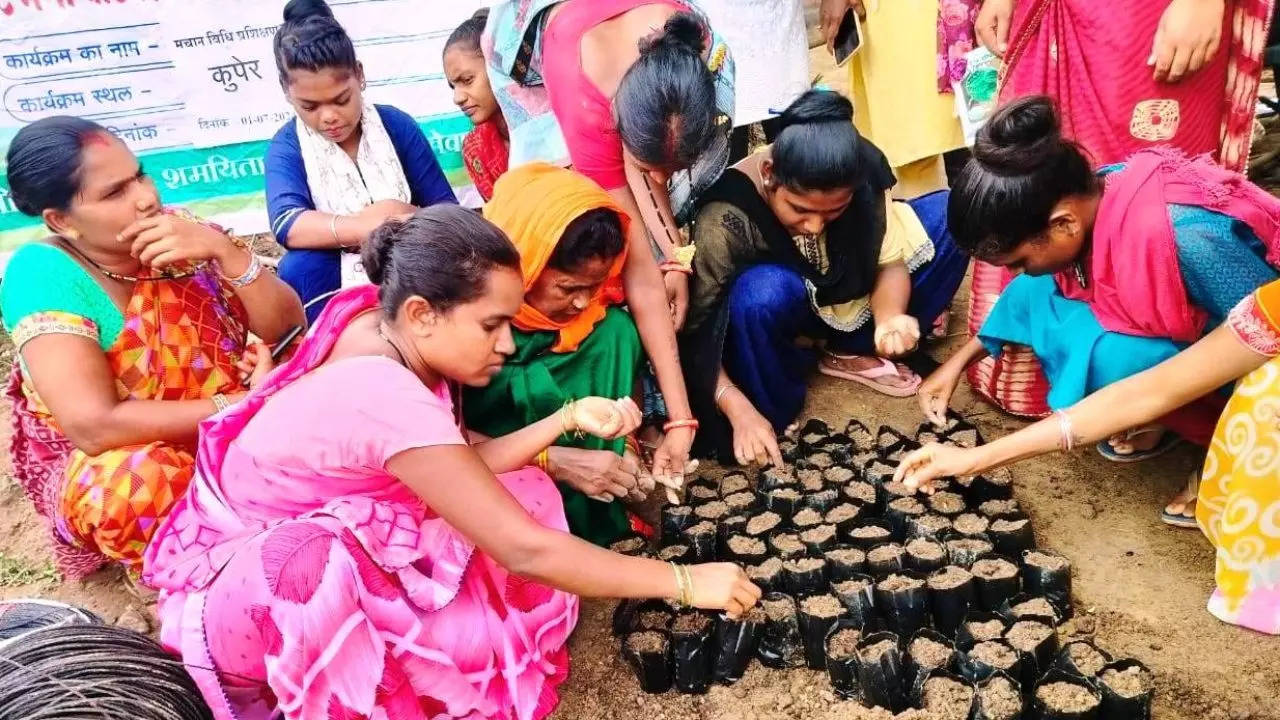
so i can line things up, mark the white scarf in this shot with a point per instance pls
(343, 187)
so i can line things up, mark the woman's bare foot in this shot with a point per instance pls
(1181, 510)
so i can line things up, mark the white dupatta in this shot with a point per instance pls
(344, 187)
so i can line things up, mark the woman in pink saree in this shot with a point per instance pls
(1129, 74)
(343, 552)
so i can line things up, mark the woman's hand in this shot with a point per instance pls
(992, 25)
(935, 393)
(374, 214)
(255, 364)
(919, 469)
(677, 285)
(1187, 38)
(754, 440)
(599, 474)
(163, 240)
(604, 418)
(723, 586)
(831, 13)
(897, 336)
(671, 459)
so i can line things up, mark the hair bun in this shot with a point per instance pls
(376, 253)
(299, 10)
(482, 15)
(683, 31)
(1019, 137)
(817, 106)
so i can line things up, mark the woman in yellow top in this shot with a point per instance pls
(801, 239)
(1238, 507)
(900, 81)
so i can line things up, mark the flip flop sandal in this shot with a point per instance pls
(1168, 441)
(940, 326)
(1178, 519)
(869, 376)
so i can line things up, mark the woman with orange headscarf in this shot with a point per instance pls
(571, 341)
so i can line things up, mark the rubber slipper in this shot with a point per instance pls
(1168, 441)
(1178, 519)
(869, 376)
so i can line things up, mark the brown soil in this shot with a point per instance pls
(842, 512)
(947, 699)
(819, 535)
(804, 565)
(672, 552)
(712, 511)
(812, 439)
(997, 655)
(1026, 635)
(821, 460)
(949, 577)
(628, 546)
(885, 553)
(1007, 526)
(766, 570)
(838, 475)
(947, 503)
(646, 642)
(873, 652)
(897, 583)
(654, 620)
(869, 532)
(807, 517)
(1000, 699)
(860, 491)
(690, 623)
(702, 529)
(969, 545)
(679, 510)
(925, 549)
(1044, 561)
(755, 616)
(994, 569)
(908, 505)
(849, 587)
(846, 556)
(971, 524)
(933, 523)
(787, 543)
(781, 476)
(1131, 682)
(786, 494)
(731, 484)
(985, 630)
(929, 653)
(1086, 658)
(822, 606)
(897, 489)
(810, 479)
(702, 492)
(743, 545)
(844, 644)
(964, 438)
(1066, 697)
(991, 508)
(762, 523)
(779, 608)
(740, 500)
(1035, 606)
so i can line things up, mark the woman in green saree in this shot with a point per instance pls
(571, 342)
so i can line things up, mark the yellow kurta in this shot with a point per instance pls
(894, 84)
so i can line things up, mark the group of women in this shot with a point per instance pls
(287, 498)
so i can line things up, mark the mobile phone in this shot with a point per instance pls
(285, 342)
(848, 37)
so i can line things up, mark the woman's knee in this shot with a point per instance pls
(767, 291)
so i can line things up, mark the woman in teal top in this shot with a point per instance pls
(131, 324)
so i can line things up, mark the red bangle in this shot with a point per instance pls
(673, 266)
(673, 424)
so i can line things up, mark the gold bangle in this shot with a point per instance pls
(220, 402)
(688, 585)
(542, 459)
(682, 592)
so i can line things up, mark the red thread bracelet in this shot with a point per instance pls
(674, 424)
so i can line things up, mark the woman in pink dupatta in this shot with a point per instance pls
(344, 553)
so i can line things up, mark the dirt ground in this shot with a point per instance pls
(1140, 586)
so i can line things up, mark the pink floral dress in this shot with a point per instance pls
(299, 575)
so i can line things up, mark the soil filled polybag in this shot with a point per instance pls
(780, 645)
(692, 651)
(841, 653)
(902, 600)
(881, 674)
(1127, 687)
(735, 644)
(649, 655)
(1059, 695)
